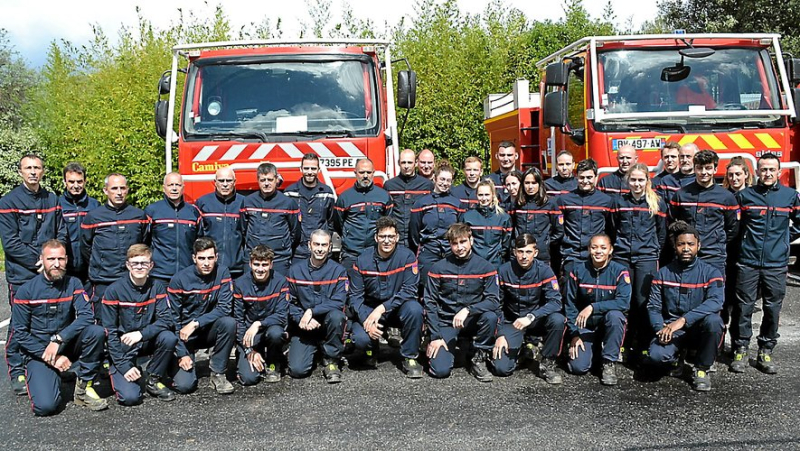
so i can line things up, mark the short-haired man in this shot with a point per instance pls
(201, 297)
(271, 218)
(768, 207)
(405, 189)
(531, 303)
(106, 234)
(564, 181)
(669, 164)
(138, 322)
(671, 183)
(53, 324)
(597, 296)
(506, 157)
(383, 292)
(315, 200)
(174, 225)
(75, 204)
(318, 289)
(467, 192)
(260, 308)
(356, 211)
(222, 220)
(426, 164)
(29, 217)
(615, 184)
(461, 299)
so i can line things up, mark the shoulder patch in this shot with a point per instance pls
(561, 219)
(626, 275)
(347, 285)
(554, 284)
(415, 268)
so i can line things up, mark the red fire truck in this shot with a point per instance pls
(731, 93)
(246, 102)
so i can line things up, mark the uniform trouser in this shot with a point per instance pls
(730, 294)
(704, 336)
(95, 293)
(481, 329)
(44, 381)
(162, 350)
(604, 332)
(219, 335)
(551, 327)
(771, 283)
(267, 342)
(304, 343)
(14, 357)
(408, 317)
(642, 273)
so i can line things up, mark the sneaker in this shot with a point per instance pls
(548, 372)
(739, 363)
(412, 368)
(394, 337)
(478, 367)
(221, 384)
(765, 363)
(331, 372)
(87, 397)
(371, 359)
(19, 385)
(609, 375)
(677, 369)
(156, 388)
(272, 373)
(701, 380)
(529, 352)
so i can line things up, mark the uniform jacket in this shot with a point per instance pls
(267, 303)
(544, 222)
(431, 215)
(614, 184)
(669, 184)
(316, 207)
(355, 214)
(320, 289)
(639, 236)
(173, 230)
(692, 291)
(534, 290)
(106, 235)
(222, 222)
(404, 192)
(74, 210)
(605, 290)
(556, 185)
(766, 229)
(273, 221)
(491, 233)
(585, 215)
(468, 196)
(388, 281)
(714, 212)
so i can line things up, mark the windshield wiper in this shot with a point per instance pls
(235, 135)
(326, 133)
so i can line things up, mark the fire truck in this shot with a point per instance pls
(247, 102)
(731, 93)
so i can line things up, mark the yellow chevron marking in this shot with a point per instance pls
(688, 139)
(741, 141)
(714, 142)
(768, 140)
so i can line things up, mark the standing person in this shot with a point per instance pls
(683, 308)
(271, 218)
(426, 164)
(222, 220)
(564, 181)
(75, 204)
(356, 211)
(201, 297)
(537, 213)
(737, 178)
(491, 226)
(54, 327)
(507, 157)
(260, 308)
(138, 323)
(106, 234)
(737, 175)
(615, 184)
(671, 183)
(405, 190)
(174, 226)
(639, 223)
(513, 185)
(461, 298)
(768, 207)
(29, 217)
(318, 292)
(531, 307)
(431, 216)
(597, 296)
(383, 292)
(669, 164)
(315, 200)
(465, 192)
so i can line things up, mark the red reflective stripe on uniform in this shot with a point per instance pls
(599, 287)
(432, 206)
(502, 229)
(585, 207)
(113, 223)
(131, 304)
(614, 190)
(222, 215)
(384, 273)
(42, 301)
(634, 209)
(543, 212)
(410, 192)
(764, 207)
(315, 282)
(32, 211)
(362, 204)
(462, 276)
(271, 210)
(469, 201)
(530, 285)
(208, 290)
(703, 204)
(174, 221)
(688, 285)
(263, 298)
(557, 192)
(76, 213)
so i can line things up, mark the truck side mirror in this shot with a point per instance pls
(161, 110)
(793, 70)
(796, 100)
(556, 74)
(406, 89)
(163, 84)
(555, 109)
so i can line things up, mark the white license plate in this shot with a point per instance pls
(639, 144)
(339, 162)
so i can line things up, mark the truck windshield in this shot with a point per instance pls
(631, 81)
(269, 99)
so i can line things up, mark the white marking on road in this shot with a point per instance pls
(4, 323)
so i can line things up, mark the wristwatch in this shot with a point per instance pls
(55, 338)
(530, 317)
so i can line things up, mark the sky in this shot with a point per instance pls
(33, 24)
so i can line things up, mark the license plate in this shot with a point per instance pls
(639, 144)
(339, 162)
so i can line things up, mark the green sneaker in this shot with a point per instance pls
(412, 368)
(765, 362)
(739, 363)
(701, 380)
(19, 385)
(272, 373)
(86, 396)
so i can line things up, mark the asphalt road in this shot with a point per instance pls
(382, 409)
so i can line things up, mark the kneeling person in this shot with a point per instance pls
(531, 304)
(383, 291)
(260, 307)
(138, 323)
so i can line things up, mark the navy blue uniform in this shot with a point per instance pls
(608, 291)
(206, 299)
(316, 209)
(324, 291)
(532, 291)
(669, 184)
(491, 233)
(354, 218)
(466, 195)
(499, 179)
(557, 185)
(692, 291)
(130, 308)
(763, 259)
(268, 304)
(545, 222)
(222, 222)
(42, 309)
(430, 217)
(454, 284)
(614, 184)
(405, 191)
(585, 215)
(73, 210)
(273, 221)
(173, 229)
(391, 282)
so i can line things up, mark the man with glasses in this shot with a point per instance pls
(315, 200)
(405, 189)
(222, 220)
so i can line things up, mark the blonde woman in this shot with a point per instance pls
(490, 224)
